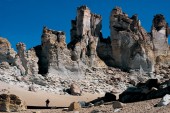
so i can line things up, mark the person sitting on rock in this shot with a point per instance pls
(47, 102)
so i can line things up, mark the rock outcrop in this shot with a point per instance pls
(89, 58)
(54, 57)
(85, 33)
(26, 61)
(131, 45)
(160, 32)
(160, 35)
(11, 103)
(7, 54)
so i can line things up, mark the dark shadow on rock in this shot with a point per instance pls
(101, 100)
(144, 91)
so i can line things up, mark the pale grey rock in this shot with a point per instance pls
(164, 101)
(160, 36)
(26, 61)
(85, 33)
(131, 48)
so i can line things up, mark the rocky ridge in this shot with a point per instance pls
(89, 58)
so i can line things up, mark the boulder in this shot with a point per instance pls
(109, 97)
(75, 106)
(31, 88)
(132, 94)
(144, 91)
(117, 104)
(11, 103)
(152, 83)
(164, 101)
(36, 112)
(75, 89)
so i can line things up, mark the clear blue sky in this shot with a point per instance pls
(22, 20)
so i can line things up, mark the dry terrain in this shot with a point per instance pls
(38, 99)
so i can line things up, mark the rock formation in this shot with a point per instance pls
(89, 58)
(26, 61)
(144, 91)
(11, 103)
(160, 32)
(131, 45)
(75, 89)
(160, 35)
(7, 54)
(85, 33)
(54, 57)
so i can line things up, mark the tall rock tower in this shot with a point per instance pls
(160, 35)
(131, 46)
(85, 33)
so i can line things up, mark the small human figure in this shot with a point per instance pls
(47, 102)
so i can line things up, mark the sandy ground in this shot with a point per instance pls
(39, 98)
(136, 107)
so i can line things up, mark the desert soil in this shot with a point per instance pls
(38, 99)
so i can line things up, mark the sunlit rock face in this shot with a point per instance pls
(85, 33)
(7, 54)
(54, 57)
(131, 45)
(51, 43)
(26, 61)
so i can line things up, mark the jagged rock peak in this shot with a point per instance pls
(159, 22)
(85, 33)
(117, 10)
(54, 37)
(83, 7)
(5, 44)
